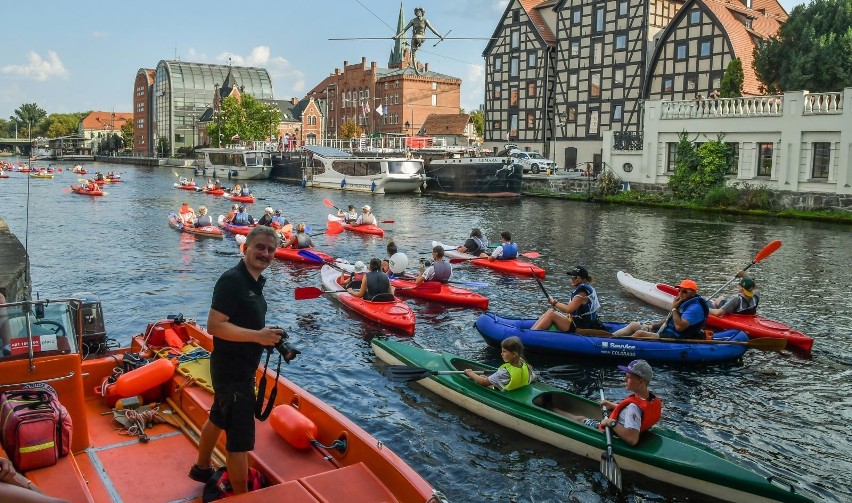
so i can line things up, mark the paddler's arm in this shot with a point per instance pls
(478, 379)
(219, 326)
(629, 435)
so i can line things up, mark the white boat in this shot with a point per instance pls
(235, 164)
(333, 168)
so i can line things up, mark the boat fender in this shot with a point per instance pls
(373, 186)
(142, 379)
(293, 426)
(233, 174)
(342, 183)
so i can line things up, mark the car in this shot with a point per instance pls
(533, 162)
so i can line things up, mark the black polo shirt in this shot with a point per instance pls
(238, 296)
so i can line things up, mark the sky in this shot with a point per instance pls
(85, 56)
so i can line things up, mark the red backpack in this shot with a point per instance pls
(35, 427)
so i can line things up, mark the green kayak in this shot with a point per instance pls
(533, 410)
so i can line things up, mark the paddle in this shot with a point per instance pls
(331, 205)
(312, 292)
(387, 221)
(333, 227)
(761, 344)
(540, 284)
(405, 373)
(609, 468)
(762, 254)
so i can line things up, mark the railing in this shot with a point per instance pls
(627, 140)
(823, 103)
(711, 108)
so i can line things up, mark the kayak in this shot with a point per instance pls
(208, 231)
(448, 294)
(235, 229)
(114, 179)
(41, 175)
(239, 199)
(512, 266)
(186, 186)
(292, 254)
(756, 326)
(214, 192)
(494, 329)
(395, 313)
(81, 190)
(371, 229)
(534, 410)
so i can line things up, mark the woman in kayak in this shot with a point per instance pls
(299, 240)
(636, 413)
(515, 373)
(203, 219)
(438, 270)
(581, 310)
(278, 220)
(237, 190)
(475, 244)
(376, 285)
(506, 251)
(245, 192)
(745, 302)
(230, 216)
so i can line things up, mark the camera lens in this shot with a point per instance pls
(286, 351)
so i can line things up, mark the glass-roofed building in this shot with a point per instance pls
(181, 93)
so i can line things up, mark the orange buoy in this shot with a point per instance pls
(142, 379)
(293, 426)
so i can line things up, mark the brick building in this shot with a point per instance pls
(143, 124)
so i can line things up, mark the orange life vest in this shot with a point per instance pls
(651, 409)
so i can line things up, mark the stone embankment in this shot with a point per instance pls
(14, 266)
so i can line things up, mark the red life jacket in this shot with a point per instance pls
(651, 409)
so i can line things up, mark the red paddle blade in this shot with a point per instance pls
(328, 203)
(307, 292)
(285, 229)
(531, 254)
(334, 227)
(767, 251)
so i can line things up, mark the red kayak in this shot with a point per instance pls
(239, 199)
(185, 186)
(214, 192)
(82, 190)
(756, 326)
(512, 266)
(396, 313)
(114, 179)
(370, 229)
(448, 294)
(292, 254)
(208, 231)
(238, 229)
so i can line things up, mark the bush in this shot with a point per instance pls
(608, 184)
(722, 197)
(755, 197)
(699, 171)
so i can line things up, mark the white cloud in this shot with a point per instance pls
(38, 68)
(473, 88)
(287, 81)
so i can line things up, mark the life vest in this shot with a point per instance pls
(377, 284)
(652, 409)
(230, 216)
(748, 306)
(279, 220)
(510, 251)
(302, 241)
(367, 219)
(204, 221)
(245, 192)
(695, 331)
(443, 271)
(355, 281)
(350, 217)
(241, 219)
(589, 310)
(481, 245)
(518, 376)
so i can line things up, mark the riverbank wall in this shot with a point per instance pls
(14, 266)
(148, 161)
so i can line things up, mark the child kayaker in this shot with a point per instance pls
(515, 373)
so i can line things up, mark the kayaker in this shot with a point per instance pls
(359, 269)
(266, 219)
(203, 219)
(245, 192)
(745, 302)
(350, 215)
(506, 251)
(187, 214)
(581, 310)
(237, 190)
(392, 250)
(376, 285)
(688, 316)
(515, 373)
(299, 240)
(231, 214)
(242, 217)
(278, 220)
(99, 177)
(237, 322)
(475, 244)
(218, 185)
(636, 413)
(366, 217)
(16, 487)
(438, 270)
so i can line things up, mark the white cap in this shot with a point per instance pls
(360, 267)
(367, 207)
(269, 209)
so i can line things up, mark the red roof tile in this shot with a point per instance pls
(445, 124)
(531, 7)
(106, 120)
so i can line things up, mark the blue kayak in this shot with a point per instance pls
(725, 346)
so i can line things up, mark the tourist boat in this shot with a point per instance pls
(756, 326)
(332, 168)
(449, 173)
(235, 164)
(207, 231)
(307, 451)
(494, 329)
(662, 455)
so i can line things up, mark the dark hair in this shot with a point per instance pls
(515, 345)
(260, 231)
(438, 250)
(242, 208)
(391, 247)
(506, 235)
(375, 264)
(476, 233)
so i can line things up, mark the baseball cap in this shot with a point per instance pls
(688, 284)
(366, 207)
(747, 283)
(360, 267)
(578, 271)
(640, 369)
(269, 209)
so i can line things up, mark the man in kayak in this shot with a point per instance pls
(299, 239)
(688, 316)
(242, 218)
(515, 373)
(392, 250)
(376, 285)
(350, 215)
(745, 302)
(245, 192)
(237, 322)
(438, 270)
(278, 220)
(475, 244)
(203, 219)
(266, 219)
(636, 413)
(506, 251)
(366, 217)
(581, 310)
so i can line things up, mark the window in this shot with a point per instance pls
(597, 53)
(622, 8)
(516, 39)
(671, 157)
(705, 48)
(513, 69)
(516, 16)
(617, 112)
(681, 51)
(497, 91)
(531, 89)
(498, 63)
(530, 121)
(620, 42)
(593, 122)
(434, 86)
(618, 76)
(434, 100)
(513, 125)
(577, 16)
(572, 80)
(575, 48)
(822, 158)
(572, 113)
(667, 85)
(600, 19)
(595, 89)
(694, 16)
(764, 159)
(733, 157)
(513, 96)
(531, 60)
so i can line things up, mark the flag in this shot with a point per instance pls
(379, 110)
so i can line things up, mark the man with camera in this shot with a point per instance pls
(237, 322)
(437, 270)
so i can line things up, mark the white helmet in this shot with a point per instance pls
(397, 263)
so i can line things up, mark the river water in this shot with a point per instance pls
(781, 412)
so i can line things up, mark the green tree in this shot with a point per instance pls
(732, 81)
(349, 130)
(57, 125)
(5, 127)
(243, 119)
(28, 114)
(478, 118)
(163, 146)
(127, 132)
(812, 51)
(697, 171)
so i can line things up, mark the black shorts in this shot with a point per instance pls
(233, 411)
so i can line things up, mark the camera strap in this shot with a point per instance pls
(259, 411)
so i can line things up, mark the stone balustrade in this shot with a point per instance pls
(746, 106)
(823, 103)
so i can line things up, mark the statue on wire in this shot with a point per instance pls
(418, 32)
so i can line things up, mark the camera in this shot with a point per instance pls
(284, 348)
